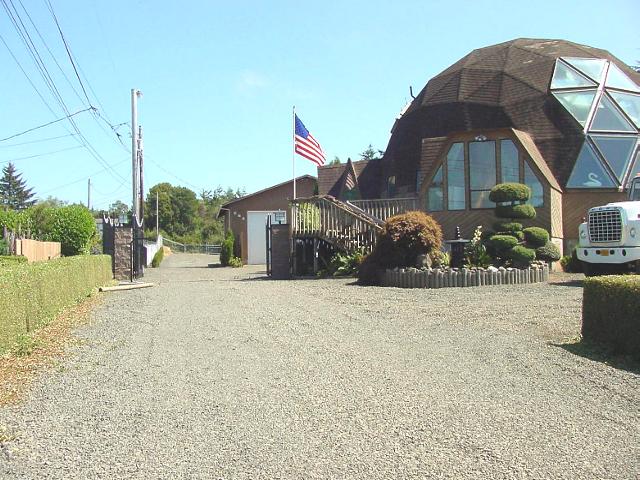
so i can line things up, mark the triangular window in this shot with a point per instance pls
(435, 194)
(588, 172)
(578, 103)
(629, 103)
(635, 170)
(592, 67)
(566, 77)
(537, 191)
(617, 79)
(617, 151)
(609, 119)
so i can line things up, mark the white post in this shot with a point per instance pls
(157, 216)
(293, 156)
(89, 194)
(134, 151)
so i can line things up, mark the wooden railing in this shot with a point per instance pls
(383, 208)
(341, 224)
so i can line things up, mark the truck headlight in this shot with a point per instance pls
(583, 234)
(632, 232)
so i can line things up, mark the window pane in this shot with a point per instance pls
(435, 197)
(617, 151)
(588, 171)
(629, 103)
(617, 79)
(565, 76)
(391, 186)
(482, 165)
(510, 165)
(480, 199)
(608, 118)
(635, 170)
(593, 67)
(537, 192)
(577, 103)
(455, 178)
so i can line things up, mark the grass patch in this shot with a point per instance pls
(25, 345)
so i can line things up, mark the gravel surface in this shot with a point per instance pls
(219, 373)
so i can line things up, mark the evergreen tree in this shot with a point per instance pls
(14, 194)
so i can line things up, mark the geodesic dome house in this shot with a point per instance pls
(561, 117)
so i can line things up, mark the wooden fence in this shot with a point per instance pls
(35, 250)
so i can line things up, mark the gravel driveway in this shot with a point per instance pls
(219, 373)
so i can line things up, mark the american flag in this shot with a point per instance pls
(307, 146)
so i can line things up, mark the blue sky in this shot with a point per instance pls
(219, 80)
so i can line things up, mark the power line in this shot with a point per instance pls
(46, 125)
(146, 156)
(83, 179)
(42, 154)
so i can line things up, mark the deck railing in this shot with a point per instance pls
(341, 224)
(383, 208)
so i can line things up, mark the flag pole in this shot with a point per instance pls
(293, 155)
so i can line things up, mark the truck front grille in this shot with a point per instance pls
(605, 225)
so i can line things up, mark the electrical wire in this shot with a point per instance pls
(46, 125)
(41, 154)
(83, 179)
(37, 141)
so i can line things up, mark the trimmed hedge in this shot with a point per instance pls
(507, 226)
(31, 294)
(536, 236)
(502, 243)
(523, 210)
(521, 256)
(12, 259)
(510, 192)
(610, 307)
(549, 252)
(157, 258)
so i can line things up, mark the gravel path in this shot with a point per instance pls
(218, 373)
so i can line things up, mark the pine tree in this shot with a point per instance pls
(14, 194)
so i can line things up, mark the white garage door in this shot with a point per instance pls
(256, 236)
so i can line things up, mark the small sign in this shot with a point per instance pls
(279, 217)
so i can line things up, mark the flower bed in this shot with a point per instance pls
(463, 277)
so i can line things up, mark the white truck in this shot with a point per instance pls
(609, 241)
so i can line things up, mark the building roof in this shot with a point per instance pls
(264, 190)
(504, 86)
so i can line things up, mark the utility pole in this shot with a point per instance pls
(89, 194)
(137, 267)
(157, 216)
(135, 182)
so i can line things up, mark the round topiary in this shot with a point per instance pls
(503, 243)
(536, 236)
(523, 210)
(510, 192)
(521, 256)
(507, 226)
(74, 227)
(406, 236)
(549, 252)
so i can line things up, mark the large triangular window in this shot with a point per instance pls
(635, 169)
(607, 118)
(592, 67)
(617, 79)
(566, 77)
(588, 172)
(577, 103)
(617, 151)
(629, 103)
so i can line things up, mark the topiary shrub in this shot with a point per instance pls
(536, 236)
(510, 192)
(503, 243)
(74, 227)
(521, 256)
(226, 249)
(521, 211)
(369, 271)
(406, 236)
(548, 252)
(501, 226)
(157, 258)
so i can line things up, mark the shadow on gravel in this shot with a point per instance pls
(571, 283)
(598, 353)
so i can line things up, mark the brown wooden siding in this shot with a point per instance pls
(556, 230)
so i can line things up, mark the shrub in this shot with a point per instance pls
(157, 258)
(507, 226)
(475, 253)
(524, 211)
(510, 192)
(548, 253)
(610, 309)
(571, 263)
(342, 264)
(4, 250)
(406, 236)
(439, 258)
(235, 262)
(368, 272)
(521, 256)
(12, 259)
(74, 227)
(33, 293)
(503, 243)
(536, 236)
(226, 249)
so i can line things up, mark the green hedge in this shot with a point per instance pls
(510, 192)
(31, 294)
(157, 258)
(610, 307)
(536, 236)
(6, 260)
(523, 210)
